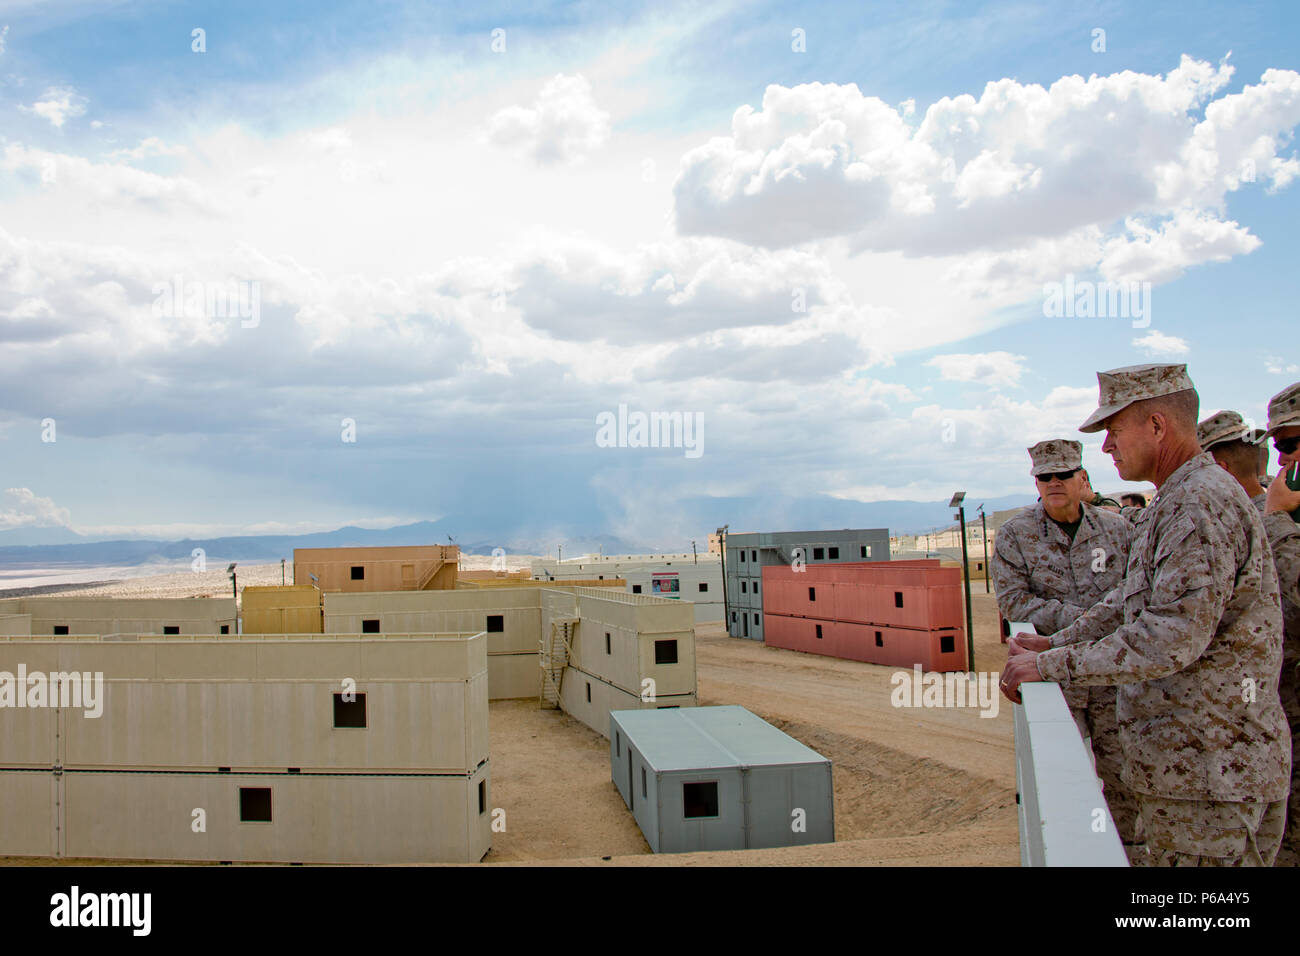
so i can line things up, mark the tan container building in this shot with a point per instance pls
(422, 568)
(55, 616)
(295, 748)
(282, 609)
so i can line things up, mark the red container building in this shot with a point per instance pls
(897, 613)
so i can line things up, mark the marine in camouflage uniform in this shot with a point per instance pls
(1235, 446)
(1192, 638)
(1041, 575)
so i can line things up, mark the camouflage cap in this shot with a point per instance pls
(1225, 426)
(1284, 409)
(1055, 454)
(1121, 387)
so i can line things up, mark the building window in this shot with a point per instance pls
(358, 572)
(754, 556)
(945, 643)
(60, 629)
(636, 589)
(819, 554)
(350, 713)
(812, 594)
(700, 799)
(370, 626)
(755, 618)
(665, 652)
(254, 804)
(607, 648)
(482, 797)
(618, 744)
(755, 587)
(880, 641)
(742, 555)
(589, 692)
(645, 791)
(742, 588)
(898, 599)
(496, 623)
(225, 628)
(704, 586)
(834, 554)
(863, 549)
(867, 552)
(170, 629)
(733, 617)
(819, 632)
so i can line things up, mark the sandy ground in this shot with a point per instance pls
(913, 786)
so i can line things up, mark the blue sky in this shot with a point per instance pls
(472, 253)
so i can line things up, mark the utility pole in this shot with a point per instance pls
(965, 568)
(984, 523)
(282, 572)
(726, 606)
(694, 552)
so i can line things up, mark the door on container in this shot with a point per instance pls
(744, 615)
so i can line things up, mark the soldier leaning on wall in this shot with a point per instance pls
(1193, 639)
(1051, 563)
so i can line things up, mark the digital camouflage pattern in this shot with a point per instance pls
(1056, 454)
(1284, 540)
(1209, 833)
(1220, 427)
(1193, 639)
(1121, 387)
(1041, 576)
(1284, 409)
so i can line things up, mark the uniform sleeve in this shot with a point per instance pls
(1284, 539)
(1016, 599)
(1179, 609)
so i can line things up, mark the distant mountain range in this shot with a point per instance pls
(59, 546)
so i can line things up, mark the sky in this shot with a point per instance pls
(423, 251)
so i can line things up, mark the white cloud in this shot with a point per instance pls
(1157, 343)
(58, 105)
(993, 369)
(563, 125)
(1276, 365)
(21, 508)
(4, 36)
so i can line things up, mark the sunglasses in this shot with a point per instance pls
(1059, 475)
(1287, 446)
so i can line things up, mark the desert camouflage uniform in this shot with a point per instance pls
(1042, 577)
(1193, 638)
(1284, 539)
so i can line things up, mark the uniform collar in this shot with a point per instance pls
(1183, 472)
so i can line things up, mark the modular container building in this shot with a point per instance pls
(259, 748)
(900, 613)
(683, 577)
(424, 568)
(280, 609)
(719, 778)
(57, 615)
(748, 554)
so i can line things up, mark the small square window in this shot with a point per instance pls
(254, 804)
(700, 800)
(834, 554)
(358, 572)
(607, 647)
(171, 629)
(665, 652)
(636, 589)
(819, 632)
(812, 594)
(482, 797)
(350, 713)
(60, 629)
(496, 623)
(946, 643)
(898, 599)
(225, 628)
(370, 626)
(819, 554)
(880, 640)
(704, 586)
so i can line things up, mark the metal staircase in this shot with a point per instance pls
(554, 652)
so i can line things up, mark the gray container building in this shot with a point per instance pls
(718, 778)
(748, 553)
